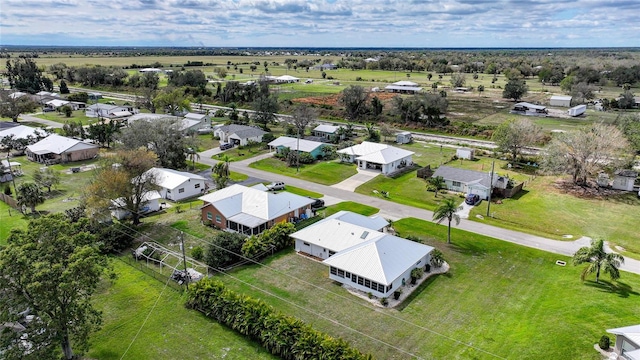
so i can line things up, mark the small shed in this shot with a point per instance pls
(465, 153)
(404, 137)
(624, 180)
(560, 100)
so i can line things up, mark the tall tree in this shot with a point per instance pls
(447, 211)
(436, 183)
(386, 131)
(172, 101)
(103, 131)
(354, 98)
(25, 75)
(12, 107)
(47, 178)
(162, 136)
(513, 135)
(52, 268)
(125, 179)
(585, 152)
(303, 115)
(64, 89)
(598, 260)
(458, 80)
(30, 195)
(192, 155)
(265, 105)
(515, 89)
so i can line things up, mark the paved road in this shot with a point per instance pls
(396, 211)
(32, 118)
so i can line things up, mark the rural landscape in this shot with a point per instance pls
(163, 199)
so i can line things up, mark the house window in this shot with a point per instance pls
(367, 283)
(197, 186)
(334, 271)
(456, 183)
(360, 281)
(209, 215)
(341, 273)
(168, 191)
(306, 244)
(218, 219)
(180, 191)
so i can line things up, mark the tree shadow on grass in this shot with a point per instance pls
(618, 287)
(467, 248)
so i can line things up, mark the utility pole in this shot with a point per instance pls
(184, 260)
(13, 178)
(298, 153)
(490, 188)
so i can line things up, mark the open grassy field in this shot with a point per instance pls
(498, 301)
(167, 329)
(326, 173)
(10, 219)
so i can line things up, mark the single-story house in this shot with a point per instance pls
(560, 100)
(465, 153)
(203, 119)
(327, 131)
(52, 105)
(150, 70)
(404, 137)
(314, 148)
(525, 108)
(624, 179)
(150, 117)
(150, 203)
(287, 79)
(404, 87)
(178, 185)
(55, 148)
(375, 222)
(250, 211)
(238, 134)
(106, 110)
(361, 257)
(369, 155)
(22, 132)
(627, 342)
(469, 181)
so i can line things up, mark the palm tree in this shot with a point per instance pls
(30, 194)
(221, 172)
(192, 155)
(598, 260)
(437, 182)
(447, 210)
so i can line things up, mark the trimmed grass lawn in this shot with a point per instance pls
(236, 176)
(10, 219)
(502, 299)
(545, 210)
(302, 192)
(78, 115)
(170, 332)
(326, 173)
(362, 209)
(237, 154)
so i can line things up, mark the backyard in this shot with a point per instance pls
(497, 300)
(321, 172)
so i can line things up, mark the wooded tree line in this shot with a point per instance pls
(282, 335)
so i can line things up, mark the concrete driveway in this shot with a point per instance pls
(464, 212)
(356, 180)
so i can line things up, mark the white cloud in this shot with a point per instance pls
(337, 23)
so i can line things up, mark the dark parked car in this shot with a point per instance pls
(317, 204)
(472, 199)
(225, 146)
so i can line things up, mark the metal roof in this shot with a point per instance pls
(530, 106)
(630, 332)
(237, 199)
(335, 235)
(403, 88)
(21, 132)
(292, 143)
(405, 83)
(376, 153)
(330, 129)
(463, 175)
(58, 144)
(561, 97)
(171, 179)
(374, 222)
(382, 259)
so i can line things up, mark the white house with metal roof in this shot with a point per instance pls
(469, 181)
(627, 342)
(55, 148)
(22, 132)
(238, 134)
(109, 111)
(150, 203)
(375, 156)
(178, 185)
(250, 211)
(405, 87)
(326, 131)
(314, 148)
(360, 255)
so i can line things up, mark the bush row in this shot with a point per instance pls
(282, 335)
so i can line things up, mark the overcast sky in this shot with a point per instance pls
(322, 23)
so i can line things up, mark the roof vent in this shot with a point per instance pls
(364, 235)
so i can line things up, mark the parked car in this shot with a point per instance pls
(472, 199)
(277, 185)
(317, 204)
(225, 146)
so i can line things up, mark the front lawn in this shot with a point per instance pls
(170, 332)
(321, 172)
(361, 209)
(302, 192)
(78, 115)
(239, 154)
(499, 300)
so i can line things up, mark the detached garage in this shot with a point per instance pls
(560, 100)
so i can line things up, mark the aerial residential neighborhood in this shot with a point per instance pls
(320, 180)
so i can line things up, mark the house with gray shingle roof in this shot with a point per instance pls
(469, 181)
(239, 134)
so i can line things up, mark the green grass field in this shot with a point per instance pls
(362, 209)
(326, 173)
(76, 116)
(10, 219)
(170, 332)
(302, 192)
(500, 298)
